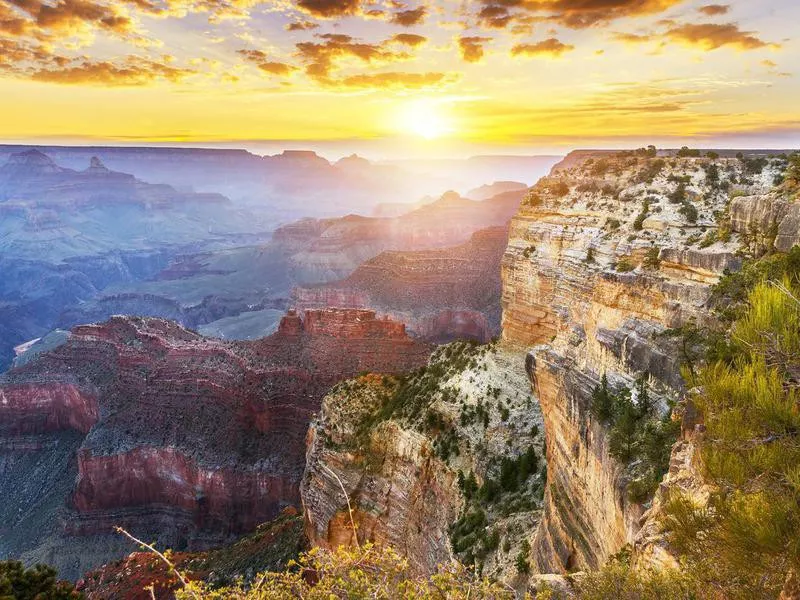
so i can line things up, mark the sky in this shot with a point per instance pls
(393, 78)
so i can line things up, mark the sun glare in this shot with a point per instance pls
(425, 119)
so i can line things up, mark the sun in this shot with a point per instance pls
(425, 119)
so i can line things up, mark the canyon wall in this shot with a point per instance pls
(140, 423)
(441, 295)
(604, 257)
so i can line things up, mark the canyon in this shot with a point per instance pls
(140, 423)
(605, 258)
(489, 453)
(82, 244)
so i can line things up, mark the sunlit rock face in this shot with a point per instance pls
(441, 295)
(581, 298)
(141, 423)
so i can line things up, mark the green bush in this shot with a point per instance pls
(748, 535)
(36, 583)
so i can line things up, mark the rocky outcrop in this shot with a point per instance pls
(387, 460)
(603, 257)
(150, 426)
(441, 295)
(778, 219)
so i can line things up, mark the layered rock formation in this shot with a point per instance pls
(604, 256)
(140, 423)
(441, 295)
(331, 249)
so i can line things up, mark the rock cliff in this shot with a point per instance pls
(140, 423)
(440, 295)
(604, 257)
(441, 463)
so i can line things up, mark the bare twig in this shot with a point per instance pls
(168, 562)
(349, 506)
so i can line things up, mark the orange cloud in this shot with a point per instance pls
(409, 39)
(395, 80)
(261, 60)
(301, 26)
(550, 47)
(713, 10)
(320, 58)
(472, 47)
(710, 36)
(134, 71)
(409, 18)
(329, 9)
(575, 14)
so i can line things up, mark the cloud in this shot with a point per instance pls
(550, 47)
(409, 39)
(710, 36)
(409, 18)
(329, 9)
(395, 80)
(261, 60)
(301, 26)
(320, 58)
(713, 10)
(134, 71)
(495, 16)
(68, 17)
(575, 14)
(471, 47)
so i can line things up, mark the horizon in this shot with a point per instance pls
(266, 149)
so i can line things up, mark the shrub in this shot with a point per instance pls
(679, 194)
(624, 265)
(689, 212)
(365, 572)
(652, 259)
(522, 563)
(685, 152)
(36, 583)
(618, 580)
(744, 540)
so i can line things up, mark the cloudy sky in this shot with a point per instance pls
(447, 76)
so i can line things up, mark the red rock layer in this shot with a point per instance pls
(42, 408)
(199, 436)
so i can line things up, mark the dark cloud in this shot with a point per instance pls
(329, 9)
(495, 16)
(409, 18)
(69, 17)
(301, 26)
(713, 10)
(576, 14)
(409, 39)
(550, 47)
(710, 36)
(471, 47)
